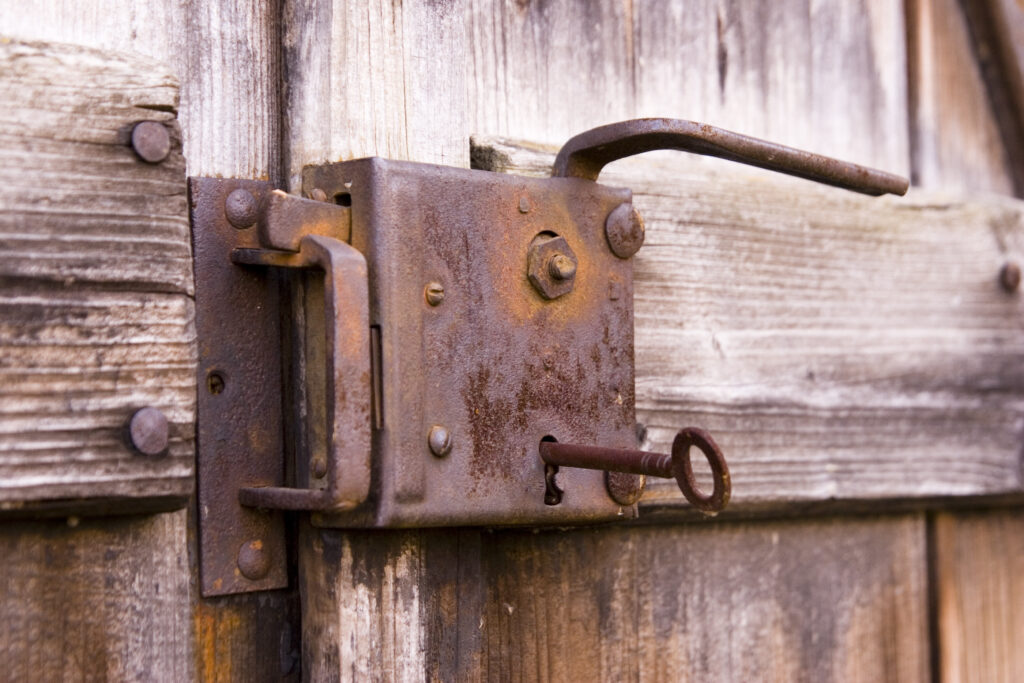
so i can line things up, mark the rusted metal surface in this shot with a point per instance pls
(285, 219)
(239, 403)
(676, 465)
(586, 154)
(491, 362)
(624, 230)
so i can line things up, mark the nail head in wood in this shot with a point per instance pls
(151, 141)
(148, 432)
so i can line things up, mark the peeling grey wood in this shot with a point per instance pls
(95, 260)
(841, 349)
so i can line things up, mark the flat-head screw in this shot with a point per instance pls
(434, 292)
(148, 433)
(253, 561)
(440, 441)
(151, 141)
(241, 209)
(624, 230)
(1009, 277)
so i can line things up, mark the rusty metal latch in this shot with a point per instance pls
(416, 345)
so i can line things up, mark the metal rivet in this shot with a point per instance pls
(319, 468)
(148, 431)
(151, 141)
(440, 441)
(241, 209)
(318, 195)
(624, 230)
(1009, 277)
(434, 292)
(561, 267)
(524, 205)
(253, 561)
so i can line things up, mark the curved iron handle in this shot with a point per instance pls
(347, 376)
(676, 465)
(586, 154)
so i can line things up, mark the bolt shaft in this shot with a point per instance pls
(610, 459)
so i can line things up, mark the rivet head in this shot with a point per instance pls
(319, 467)
(1009, 277)
(148, 432)
(524, 205)
(241, 208)
(434, 292)
(151, 141)
(318, 195)
(253, 561)
(440, 441)
(624, 230)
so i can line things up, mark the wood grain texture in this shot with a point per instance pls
(817, 601)
(95, 602)
(841, 349)
(545, 71)
(956, 139)
(979, 565)
(97, 320)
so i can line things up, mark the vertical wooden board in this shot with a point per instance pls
(226, 55)
(979, 588)
(95, 602)
(839, 599)
(956, 141)
(373, 79)
(547, 71)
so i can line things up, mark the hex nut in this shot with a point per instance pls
(624, 230)
(551, 265)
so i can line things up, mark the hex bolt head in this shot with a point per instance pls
(551, 265)
(434, 293)
(151, 141)
(1009, 277)
(253, 561)
(624, 230)
(440, 441)
(148, 432)
(241, 209)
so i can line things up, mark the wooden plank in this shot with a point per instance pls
(768, 69)
(226, 54)
(841, 349)
(978, 565)
(91, 600)
(96, 319)
(808, 600)
(956, 140)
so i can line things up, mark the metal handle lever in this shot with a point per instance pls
(586, 154)
(347, 374)
(676, 465)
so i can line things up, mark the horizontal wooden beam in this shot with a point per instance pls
(845, 352)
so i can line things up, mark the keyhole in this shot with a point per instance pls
(552, 494)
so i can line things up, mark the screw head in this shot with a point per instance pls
(624, 230)
(1009, 277)
(440, 441)
(253, 561)
(151, 141)
(148, 433)
(241, 208)
(551, 265)
(434, 292)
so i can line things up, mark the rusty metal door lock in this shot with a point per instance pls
(416, 345)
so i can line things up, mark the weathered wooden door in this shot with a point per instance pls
(859, 360)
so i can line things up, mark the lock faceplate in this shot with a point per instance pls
(475, 364)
